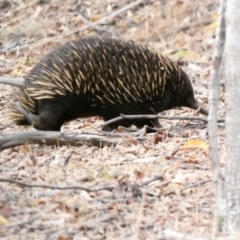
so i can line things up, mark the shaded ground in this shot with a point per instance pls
(151, 189)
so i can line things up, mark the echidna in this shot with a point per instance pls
(106, 77)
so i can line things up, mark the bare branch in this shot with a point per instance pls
(169, 234)
(107, 18)
(204, 120)
(16, 82)
(22, 184)
(22, 223)
(53, 138)
(153, 179)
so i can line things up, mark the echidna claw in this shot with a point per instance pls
(24, 113)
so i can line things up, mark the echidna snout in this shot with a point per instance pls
(193, 104)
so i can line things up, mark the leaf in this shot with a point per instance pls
(213, 24)
(38, 201)
(5, 210)
(62, 238)
(17, 73)
(185, 54)
(95, 17)
(174, 186)
(140, 174)
(158, 139)
(3, 220)
(194, 144)
(181, 53)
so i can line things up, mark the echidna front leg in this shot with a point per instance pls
(49, 117)
(109, 115)
(139, 123)
(154, 123)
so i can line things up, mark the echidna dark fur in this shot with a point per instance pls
(105, 77)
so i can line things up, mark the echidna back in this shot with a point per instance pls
(106, 77)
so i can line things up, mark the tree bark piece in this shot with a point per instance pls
(214, 84)
(232, 140)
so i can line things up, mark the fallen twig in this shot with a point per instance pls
(91, 24)
(22, 223)
(16, 82)
(204, 120)
(169, 234)
(192, 185)
(153, 179)
(107, 18)
(75, 187)
(191, 25)
(57, 138)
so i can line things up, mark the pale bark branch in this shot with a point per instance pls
(57, 138)
(170, 234)
(231, 206)
(16, 82)
(108, 18)
(22, 223)
(154, 116)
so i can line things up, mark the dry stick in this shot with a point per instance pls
(108, 18)
(53, 138)
(145, 116)
(73, 187)
(169, 234)
(19, 45)
(153, 179)
(195, 24)
(16, 82)
(153, 117)
(17, 48)
(100, 21)
(192, 185)
(141, 159)
(191, 25)
(22, 223)
(55, 230)
(91, 24)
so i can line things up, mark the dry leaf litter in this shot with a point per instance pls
(136, 190)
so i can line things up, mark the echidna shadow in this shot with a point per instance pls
(106, 77)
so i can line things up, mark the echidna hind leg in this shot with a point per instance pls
(111, 115)
(49, 117)
(115, 125)
(153, 124)
(27, 116)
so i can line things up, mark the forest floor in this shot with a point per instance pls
(157, 188)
